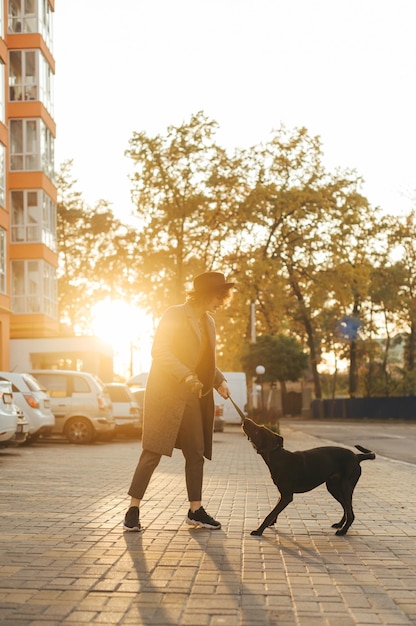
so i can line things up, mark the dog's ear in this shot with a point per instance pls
(274, 441)
(278, 442)
(258, 438)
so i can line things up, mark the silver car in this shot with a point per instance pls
(82, 408)
(126, 411)
(13, 426)
(33, 402)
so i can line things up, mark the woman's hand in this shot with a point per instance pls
(194, 385)
(224, 390)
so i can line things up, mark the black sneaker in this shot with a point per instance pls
(131, 520)
(202, 519)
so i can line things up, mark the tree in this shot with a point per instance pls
(402, 242)
(282, 357)
(272, 215)
(306, 222)
(96, 253)
(185, 189)
(380, 375)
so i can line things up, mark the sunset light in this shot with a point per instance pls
(129, 330)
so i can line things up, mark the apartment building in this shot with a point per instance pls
(28, 252)
(29, 326)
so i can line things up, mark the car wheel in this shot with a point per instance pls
(79, 430)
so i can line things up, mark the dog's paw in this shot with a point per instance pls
(336, 525)
(341, 532)
(256, 533)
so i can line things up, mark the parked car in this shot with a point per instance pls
(126, 411)
(33, 402)
(138, 395)
(237, 384)
(14, 427)
(82, 408)
(219, 421)
(22, 427)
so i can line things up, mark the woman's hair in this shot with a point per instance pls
(202, 297)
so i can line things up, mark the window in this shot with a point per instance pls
(2, 260)
(31, 146)
(23, 76)
(33, 217)
(80, 385)
(119, 394)
(22, 16)
(31, 16)
(50, 296)
(47, 145)
(46, 22)
(1, 19)
(46, 84)
(34, 288)
(56, 385)
(2, 93)
(30, 77)
(2, 175)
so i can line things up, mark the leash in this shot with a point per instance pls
(237, 408)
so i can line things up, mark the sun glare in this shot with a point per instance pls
(129, 330)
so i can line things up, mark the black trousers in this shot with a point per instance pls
(191, 441)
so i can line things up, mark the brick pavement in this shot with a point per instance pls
(65, 560)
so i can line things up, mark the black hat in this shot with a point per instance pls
(211, 281)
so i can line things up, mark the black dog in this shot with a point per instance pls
(298, 472)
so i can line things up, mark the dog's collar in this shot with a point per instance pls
(261, 450)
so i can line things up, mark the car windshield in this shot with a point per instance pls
(5, 386)
(119, 394)
(11, 385)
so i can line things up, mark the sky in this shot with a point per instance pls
(344, 69)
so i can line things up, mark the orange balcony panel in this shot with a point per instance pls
(31, 180)
(21, 41)
(33, 326)
(4, 304)
(4, 134)
(4, 219)
(18, 41)
(28, 251)
(4, 338)
(3, 51)
(31, 108)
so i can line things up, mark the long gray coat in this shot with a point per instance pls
(175, 352)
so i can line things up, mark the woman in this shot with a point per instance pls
(179, 398)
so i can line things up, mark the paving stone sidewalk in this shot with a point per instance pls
(64, 558)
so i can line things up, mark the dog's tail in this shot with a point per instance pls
(367, 454)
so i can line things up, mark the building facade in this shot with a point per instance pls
(28, 246)
(30, 336)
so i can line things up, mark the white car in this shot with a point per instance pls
(126, 411)
(13, 428)
(33, 402)
(82, 408)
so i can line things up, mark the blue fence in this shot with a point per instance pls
(366, 408)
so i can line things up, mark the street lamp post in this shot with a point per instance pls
(260, 371)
